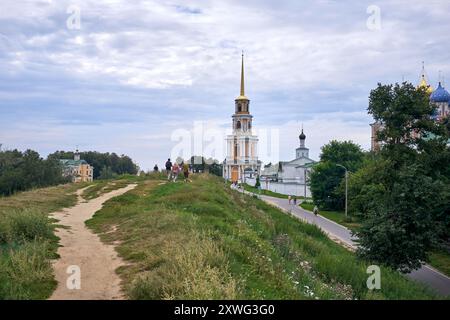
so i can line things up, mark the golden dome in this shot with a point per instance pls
(423, 84)
(423, 81)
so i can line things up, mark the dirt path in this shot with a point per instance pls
(81, 247)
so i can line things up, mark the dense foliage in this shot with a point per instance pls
(403, 194)
(21, 171)
(201, 164)
(327, 174)
(106, 163)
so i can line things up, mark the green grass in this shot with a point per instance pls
(202, 240)
(440, 260)
(100, 187)
(353, 223)
(27, 241)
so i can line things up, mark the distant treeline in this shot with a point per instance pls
(26, 170)
(106, 165)
(21, 171)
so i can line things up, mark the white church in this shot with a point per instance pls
(290, 177)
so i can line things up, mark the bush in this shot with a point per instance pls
(27, 225)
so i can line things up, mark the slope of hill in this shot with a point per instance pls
(27, 241)
(201, 240)
(27, 236)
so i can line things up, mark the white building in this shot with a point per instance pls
(242, 145)
(290, 177)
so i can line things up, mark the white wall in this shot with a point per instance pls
(283, 188)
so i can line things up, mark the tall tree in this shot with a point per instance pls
(21, 171)
(408, 198)
(327, 175)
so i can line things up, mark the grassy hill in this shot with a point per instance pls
(202, 240)
(27, 241)
(199, 240)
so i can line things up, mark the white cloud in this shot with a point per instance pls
(166, 64)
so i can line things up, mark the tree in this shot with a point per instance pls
(215, 168)
(326, 175)
(402, 221)
(21, 171)
(407, 190)
(107, 173)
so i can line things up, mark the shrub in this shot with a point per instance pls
(26, 225)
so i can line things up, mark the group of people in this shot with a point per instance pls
(173, 170)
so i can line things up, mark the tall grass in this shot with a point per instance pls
(27, 244)
(201, 240)
(27, 241)
(26, 271)
(196, 270)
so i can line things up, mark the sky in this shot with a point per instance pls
(156, 79)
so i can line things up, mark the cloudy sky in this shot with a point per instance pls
(136, 77)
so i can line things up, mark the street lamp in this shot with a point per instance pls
(304, 182)
(346, 187)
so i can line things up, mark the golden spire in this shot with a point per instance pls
(242, 76)
(242, 93)
(423, 81)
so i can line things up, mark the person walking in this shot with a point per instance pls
(175, 172)
(295, 200)
(289, 199)
(155, 168)
(186, 172)
(316, 211)
(169, 169)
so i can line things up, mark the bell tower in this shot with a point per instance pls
(242, 152)
(242, 119)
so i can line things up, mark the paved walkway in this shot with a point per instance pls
(426, 274)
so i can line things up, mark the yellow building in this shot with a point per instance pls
(78, 170)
